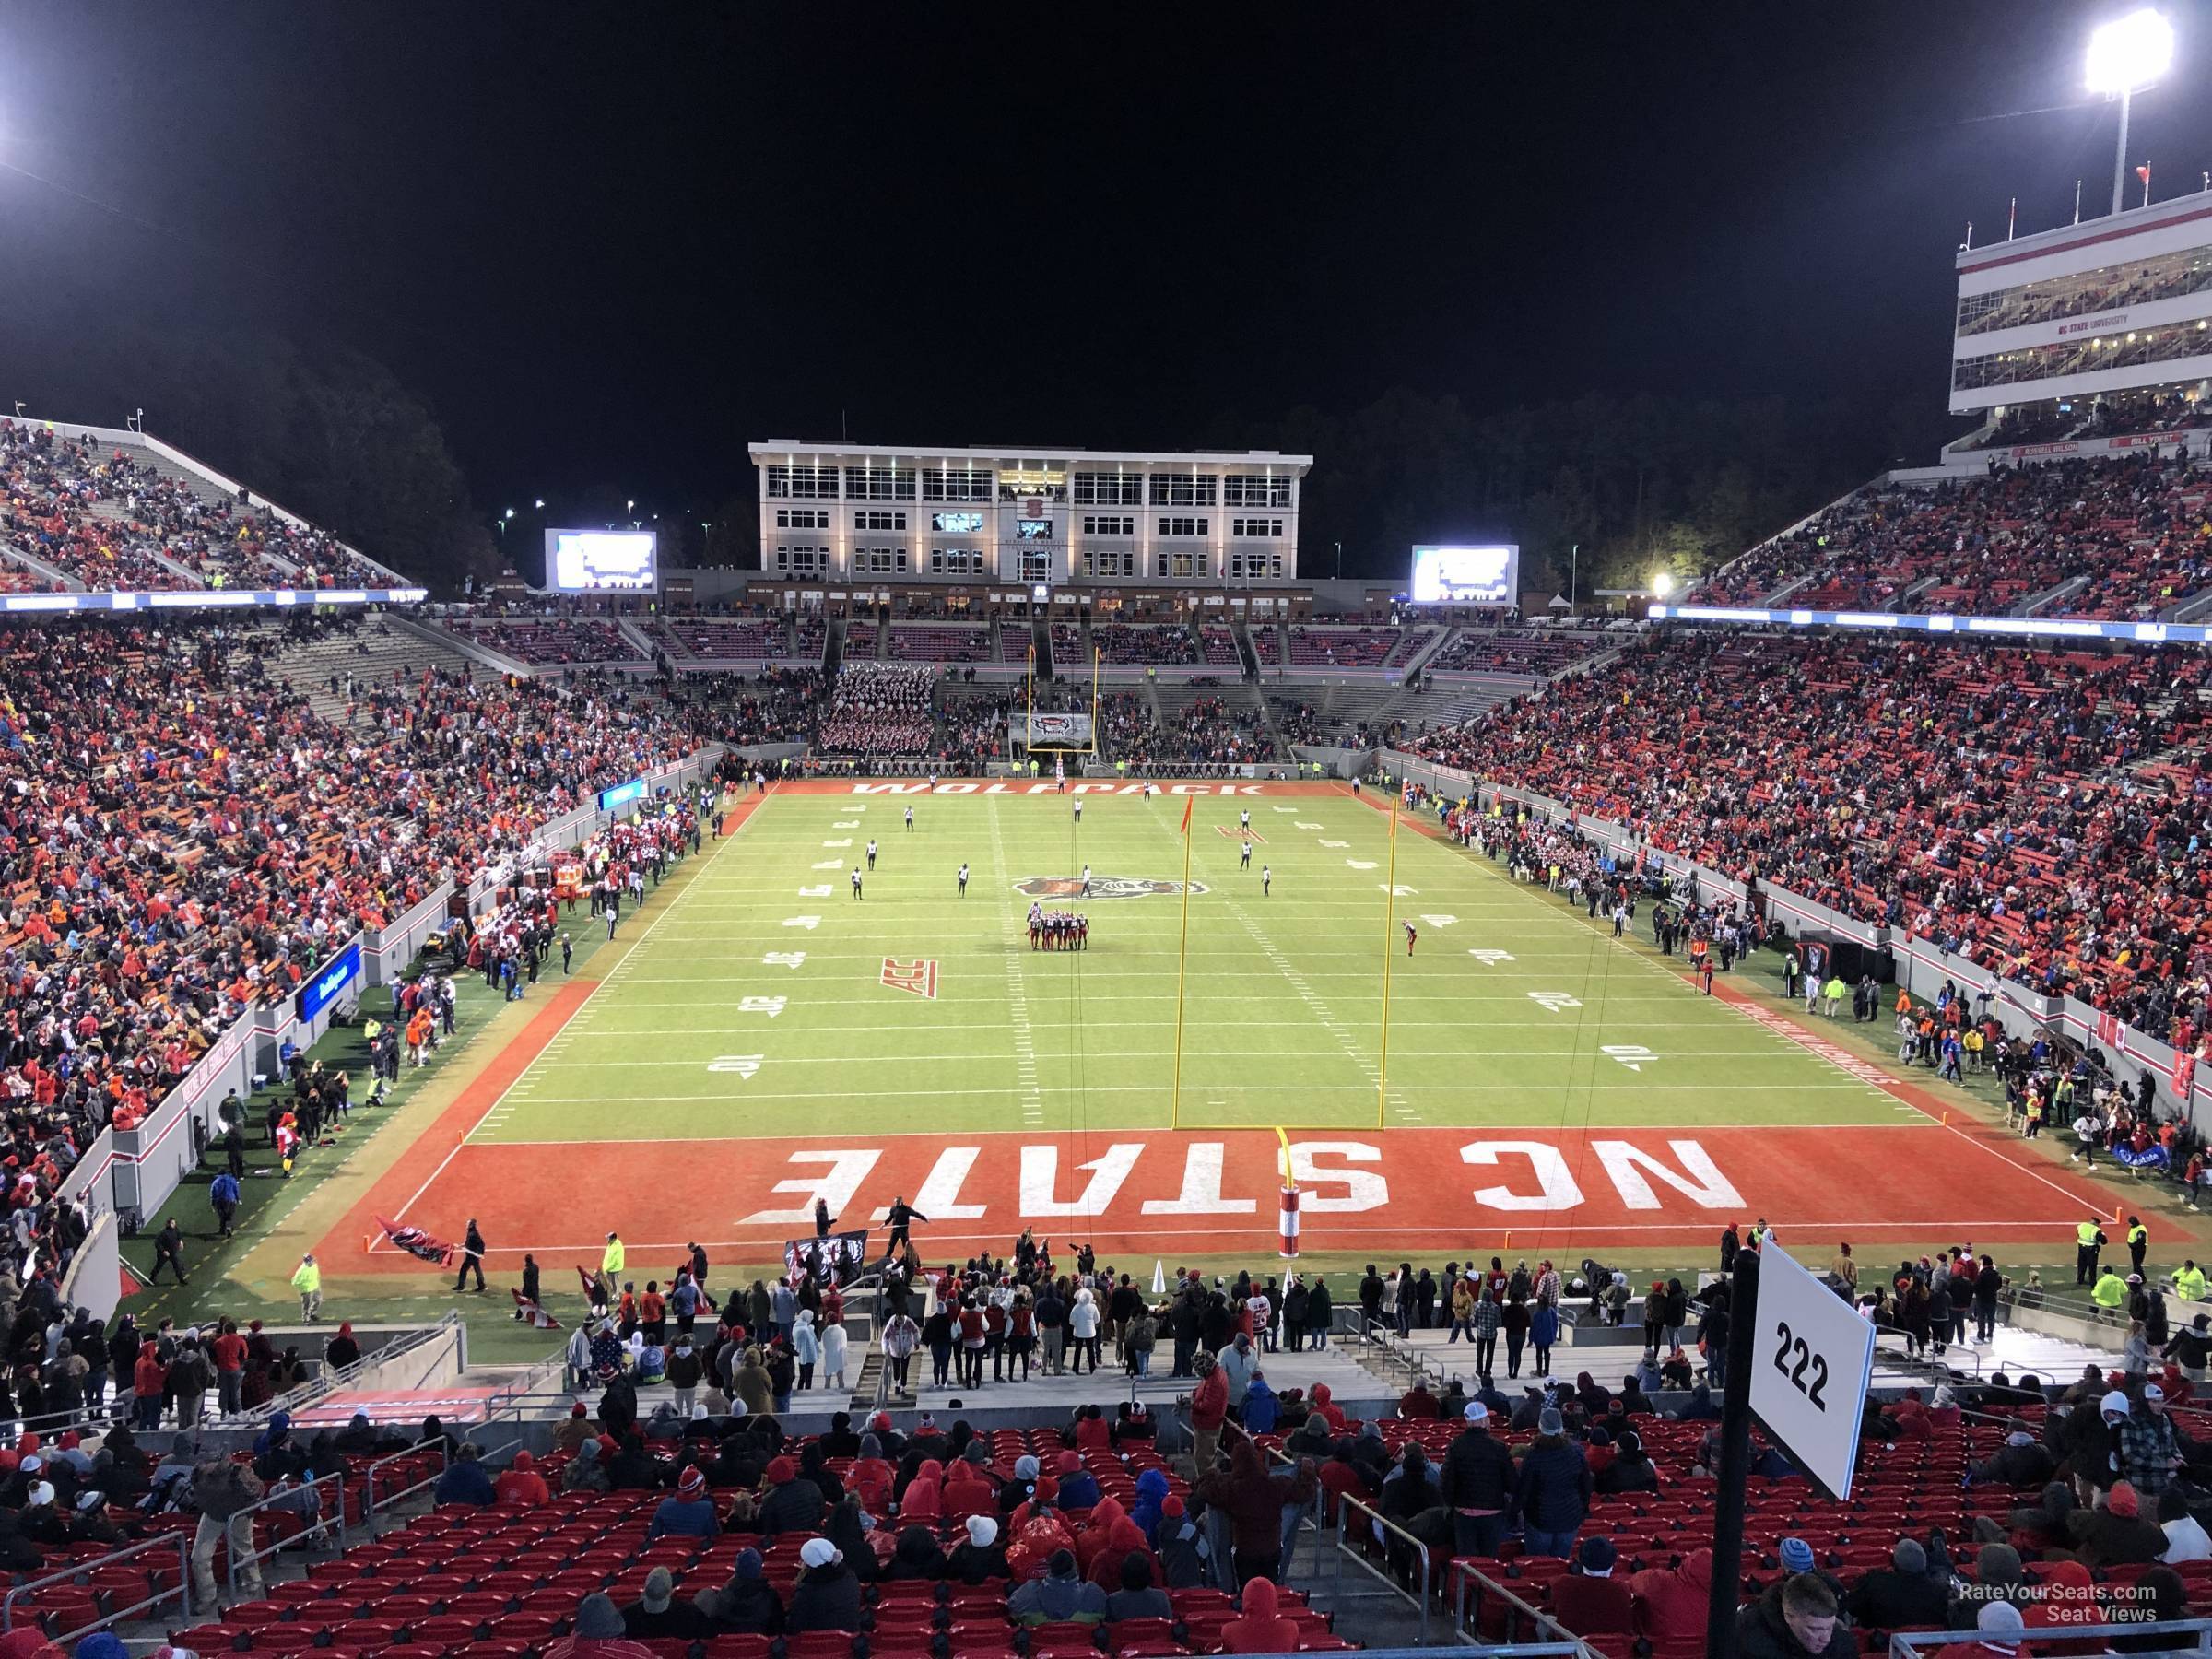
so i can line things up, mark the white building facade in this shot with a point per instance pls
(858, 512)
(2110, 306)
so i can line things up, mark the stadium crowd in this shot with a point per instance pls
(880, 709)
(2135, 530)
(1981, 796)
(110, 520)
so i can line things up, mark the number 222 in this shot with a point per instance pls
(1805, 1358)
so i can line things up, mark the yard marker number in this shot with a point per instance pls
(1631, 1054)
(770, 1005)
(783, 958)
(820, 891)
(1490, 959)
(744, 1066)
(1438, 921)
(1556, 1000)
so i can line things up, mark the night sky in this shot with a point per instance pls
(609, 245)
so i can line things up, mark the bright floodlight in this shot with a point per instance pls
(1663, 583)
(2130, 51)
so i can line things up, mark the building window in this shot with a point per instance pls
(1183, 489)
(955, 561)
(1200, 563)
(1186, 526)
(802, 518)
(1110, 561)
(879, 483)
(879, 561)
(949, 484)
(803, 562)
(1249, 565)
(817, 482)
(879, 520)
(1036, 566)
(1108, 524)
(1256, 529)
(1248, 491)
(1110, 490)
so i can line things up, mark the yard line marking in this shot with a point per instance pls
(1017, 993)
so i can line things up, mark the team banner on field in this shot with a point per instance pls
(418, 1243)
(1059, 731)
(833, 1260)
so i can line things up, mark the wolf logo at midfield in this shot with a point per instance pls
(1102, 887)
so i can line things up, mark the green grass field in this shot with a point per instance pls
(755, 1007)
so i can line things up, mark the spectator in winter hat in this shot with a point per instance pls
(827, 1597)
(687, 1514)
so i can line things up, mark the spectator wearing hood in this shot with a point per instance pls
(923, 1497)
(1253, 1502)
(1904, 1594)
(1260, 1626)
(1062, 1596)
(2116, 1534)
(1124, 1539)
(827, 1597)
(1998, 1575)
(1261, 1410)
(978, 1557)
(1631, 1469)
(521, 1486)
(1591, 1601)
(2020, 1463)
(1152, 1493)
(585, 1472)
(464, 1481)
(1671, 1601)
(598, 1634)
(916, 1555)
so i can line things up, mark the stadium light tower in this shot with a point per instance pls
(1663, 583)
(2126, 54)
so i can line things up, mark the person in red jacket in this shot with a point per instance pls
(1593, 1602)
(1671, 1601)
(1209, 1411)
(1259, 1628)
(521, 1486)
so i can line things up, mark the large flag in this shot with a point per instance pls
(531, 1312)
(418, 1243)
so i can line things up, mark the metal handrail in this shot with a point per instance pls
(1345, 1503)
(1473, 1583)
(181, 1541)
(1911, 1644)
(368, 1498)
(287, 1497)
(329, 1382)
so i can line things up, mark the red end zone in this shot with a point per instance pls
(1197, 1192)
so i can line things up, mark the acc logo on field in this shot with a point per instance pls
(1102, 887)
(918, 977)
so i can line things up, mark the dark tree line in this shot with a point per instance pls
(1641, 483)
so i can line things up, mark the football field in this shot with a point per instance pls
(769, 1037)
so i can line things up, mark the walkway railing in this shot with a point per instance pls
(319, 1388)
(2181, 1636)
(1475, 1589)
(311, 1532)
(1379, 1529)
(179, 1543)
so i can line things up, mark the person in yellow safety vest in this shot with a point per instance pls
(2088, 1239)
(2138, 1241)
(2189, 1283)
(308, 1281)
(2110, 1291)
(610, 1261)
